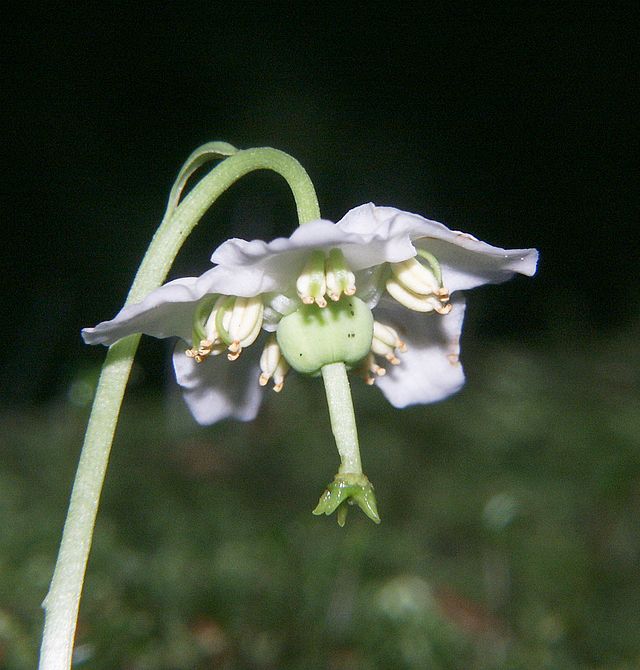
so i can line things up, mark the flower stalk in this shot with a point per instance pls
(62, 602)
(350, 485)
(343, 420)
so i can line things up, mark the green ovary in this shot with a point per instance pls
(315, 336)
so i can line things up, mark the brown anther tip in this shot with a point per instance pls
(393, 359)
(334, 296)
(444, 309)
(369, 381)
(350, 290)
(278, 387)
(233, 355)
(381, 372)
(235, 346)
(191, 353)
(307, 299)
(263, 380)
(401, 346)
(321, 302)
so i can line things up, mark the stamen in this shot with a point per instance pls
(415, 301)
(238, 321)
(386, 343)
(311, 284)
(418, 286)
(388, 336)
(205, 333)
(279, 374)
(443, 309)
(415, 277)
(273, 365)
(371, 370)
(205, 349)
(325, 277)
(202, 317)
(339, 278)
(433, 264)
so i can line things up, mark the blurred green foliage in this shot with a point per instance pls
(509, 536)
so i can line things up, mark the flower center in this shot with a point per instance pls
(418, 285)
(314, 336)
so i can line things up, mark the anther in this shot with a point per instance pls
(339, 278)
(206, 339)
(371, 370)
(279, 374)
(200, 352)
(322, 277)
(418, 285)
(386, 342)
(272, 365)
(239, 321)
(415, 276)
(415, 301)
(311, 284)
(443, 309)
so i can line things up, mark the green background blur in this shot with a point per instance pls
(510, 534)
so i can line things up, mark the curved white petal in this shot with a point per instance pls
(166, 312)
(430, 370)
(275, 266)
(465, 261)
(368, 237)
(217, 388)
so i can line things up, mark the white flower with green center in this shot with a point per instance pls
(379, 292)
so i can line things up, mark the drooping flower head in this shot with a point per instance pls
(379, 293)
(407, 271)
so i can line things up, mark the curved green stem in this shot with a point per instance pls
(63, 599)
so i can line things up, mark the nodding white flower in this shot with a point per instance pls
(398, 273)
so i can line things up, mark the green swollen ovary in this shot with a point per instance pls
(315, 336)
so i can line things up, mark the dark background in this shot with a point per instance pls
(510, 534)
(513, 123)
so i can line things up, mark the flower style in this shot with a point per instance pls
(379, 292)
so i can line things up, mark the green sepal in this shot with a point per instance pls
(348, 489)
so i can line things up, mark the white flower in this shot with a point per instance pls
(405, 268)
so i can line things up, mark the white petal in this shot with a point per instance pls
(430, 370)
(165, 312)
(466, 262)
(275, 266)
(217, 388)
